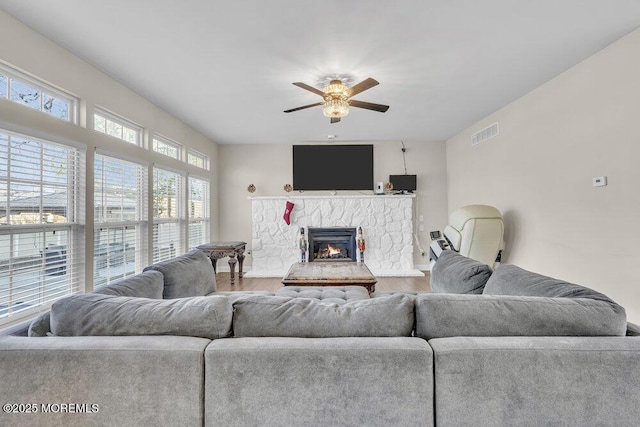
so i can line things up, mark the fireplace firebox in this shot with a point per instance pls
(332, 244)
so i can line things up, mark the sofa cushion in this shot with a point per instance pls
(456, 274)
(513, 280)
(188, 275)
(328, 294)
(148, 284)
(95, 314)
(302, 317)
(450, 315)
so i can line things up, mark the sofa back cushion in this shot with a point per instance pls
(187, 275)
(148, 284)
(456, 274)
(450, 315)
(513, 280)
(307, 318)
(95, 314)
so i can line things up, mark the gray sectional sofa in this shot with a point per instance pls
(504, 347)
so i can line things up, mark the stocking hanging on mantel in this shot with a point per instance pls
(287, 213)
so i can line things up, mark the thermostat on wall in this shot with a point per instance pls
(599, 181)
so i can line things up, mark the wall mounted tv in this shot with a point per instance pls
(332, 167)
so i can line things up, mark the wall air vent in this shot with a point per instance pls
(485, 134)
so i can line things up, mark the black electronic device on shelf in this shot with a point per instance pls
(403, 183)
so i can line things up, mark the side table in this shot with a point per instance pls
(217, 250)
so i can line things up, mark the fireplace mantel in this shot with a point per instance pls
(386, 220)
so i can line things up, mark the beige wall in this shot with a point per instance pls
(39, 57)
(269, 168)
(538, 172)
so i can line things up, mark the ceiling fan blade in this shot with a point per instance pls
(303, 107)
(310, 88)
(335, 119)
(368, 105)
(361, 87)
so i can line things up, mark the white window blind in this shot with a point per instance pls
(120, 205)
(199, 215)
(41, 223)
(168, 214)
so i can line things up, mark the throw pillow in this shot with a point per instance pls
(301, 317)
(95, 314)
(188, 275)
(456, 274)
(148, 284)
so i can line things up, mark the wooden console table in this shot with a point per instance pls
(217, 250)
(327, 273)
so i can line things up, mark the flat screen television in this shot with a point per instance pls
(332, 167)
(403, 183)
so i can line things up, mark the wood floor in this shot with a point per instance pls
(272, 284)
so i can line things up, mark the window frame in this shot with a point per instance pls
(197, 154)
(60, 260)
(205, 220)
(139, 223)
(43, 87)
(118, 120)
(178, 220)
(169, 142)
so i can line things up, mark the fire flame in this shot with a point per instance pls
(332, 250)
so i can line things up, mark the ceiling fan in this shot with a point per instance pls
(337, 98)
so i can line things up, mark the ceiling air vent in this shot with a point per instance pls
(485, 134)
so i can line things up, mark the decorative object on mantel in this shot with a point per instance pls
(361, 244)
(287, 212)
(303, 244)
(388, 188)
(251, 188)
(288, 188)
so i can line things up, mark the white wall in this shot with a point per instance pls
(269, 168)
(39, 57)
(582, 124)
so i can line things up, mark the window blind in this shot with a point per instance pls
(120, 216)
(41, 223)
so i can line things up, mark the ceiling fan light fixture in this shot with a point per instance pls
(335, 108)
(335, 89)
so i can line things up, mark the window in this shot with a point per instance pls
(35, 94)
(199, 216)
(168, 208)
(197, 159)
(117, 127)
(120, 204)
(41, 223)
(166, 147)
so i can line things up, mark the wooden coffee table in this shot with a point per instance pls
(337, 273)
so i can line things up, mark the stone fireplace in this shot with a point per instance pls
(332, 243)
(386, 221)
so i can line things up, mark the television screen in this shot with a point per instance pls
(403, 182)
(333, 167)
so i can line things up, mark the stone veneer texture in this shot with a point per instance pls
(386, 221)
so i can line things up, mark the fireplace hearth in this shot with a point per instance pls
(332, 244)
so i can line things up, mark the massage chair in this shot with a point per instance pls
(475, 231)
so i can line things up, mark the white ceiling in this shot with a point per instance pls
(226, 67)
